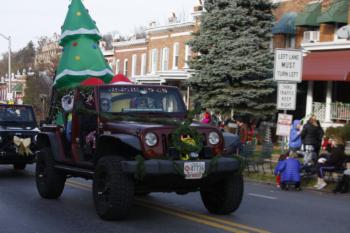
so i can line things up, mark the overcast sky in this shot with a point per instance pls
(27, 20)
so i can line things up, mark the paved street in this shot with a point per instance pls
(264, 209)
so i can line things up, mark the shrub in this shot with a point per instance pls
(342, 132)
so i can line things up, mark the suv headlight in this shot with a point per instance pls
(151, 139)
(0, 139)
(214, 138)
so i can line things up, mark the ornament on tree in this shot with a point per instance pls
(79, 32)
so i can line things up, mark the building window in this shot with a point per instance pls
(176, 56)
(289, 41)
(117, 67)
(143, 64)
(188, 54)
(126, 63)
(154, 59)
(165, 59)
(134, 65)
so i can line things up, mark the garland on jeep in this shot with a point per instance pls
(187, 140)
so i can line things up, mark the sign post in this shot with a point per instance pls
(286, 96)
(288, 65)
(287, 73)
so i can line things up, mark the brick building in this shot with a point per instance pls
(162, 56)
(312, 26)
(48, 53)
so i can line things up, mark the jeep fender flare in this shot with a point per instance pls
(50, 139)
(123, 145)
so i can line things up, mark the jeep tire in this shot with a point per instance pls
(49, 181)
(19, 166)
(113, 191)
(223, 197)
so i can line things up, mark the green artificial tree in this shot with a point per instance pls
(82, 57)
(234, 66)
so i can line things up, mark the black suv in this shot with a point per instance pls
(18, 131)
(133, 140)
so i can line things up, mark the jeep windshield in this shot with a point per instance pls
(140, 99)
(17, 115)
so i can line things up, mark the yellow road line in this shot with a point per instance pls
(191, 218)
(200, 218)
(210, 218)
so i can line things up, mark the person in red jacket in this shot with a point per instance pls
(243, 130)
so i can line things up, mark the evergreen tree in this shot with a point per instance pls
(82, 57)
(233, 69)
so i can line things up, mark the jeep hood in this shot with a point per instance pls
(140, 126)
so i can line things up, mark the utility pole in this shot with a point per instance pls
(8, 38)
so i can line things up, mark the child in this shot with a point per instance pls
(289, 169)
(278, 176)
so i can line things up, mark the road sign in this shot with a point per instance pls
(284, 123)
(286, 96)
(288, 65)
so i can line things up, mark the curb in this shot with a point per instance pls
(303, 188)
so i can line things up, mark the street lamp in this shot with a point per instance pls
(9, 70)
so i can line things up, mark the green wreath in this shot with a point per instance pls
(186, 140)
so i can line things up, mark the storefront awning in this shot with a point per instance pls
(327, 66)
(286, 25)
(309, 16)
(336, 13)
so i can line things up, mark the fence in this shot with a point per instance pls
(339, 111)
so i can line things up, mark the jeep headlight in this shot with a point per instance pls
(151, 139)
(214, 138)
(0, 139)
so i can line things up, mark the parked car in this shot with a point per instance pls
(18, 131)
(122, 137)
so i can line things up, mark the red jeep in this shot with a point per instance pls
(132, 140)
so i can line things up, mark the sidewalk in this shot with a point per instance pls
(327, 189)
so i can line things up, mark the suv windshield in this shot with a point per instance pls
(126, 99)
(12, 113)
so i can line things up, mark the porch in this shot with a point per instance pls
(339, 112)
(329, 101)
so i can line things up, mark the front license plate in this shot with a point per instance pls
(194, 170)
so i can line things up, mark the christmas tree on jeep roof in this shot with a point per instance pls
(82, 57)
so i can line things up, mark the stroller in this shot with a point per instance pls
(309, 156)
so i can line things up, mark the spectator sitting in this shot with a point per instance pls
(289, 169)
(326, 144)
(329, 162)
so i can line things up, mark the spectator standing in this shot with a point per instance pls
(311, 136)
(216, 119)
(242, 130)
(295, 136)
(329, 162)
(206, 117)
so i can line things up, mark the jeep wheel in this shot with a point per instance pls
(49, 182)
(19, 166)
(225, 196)
(113, 191)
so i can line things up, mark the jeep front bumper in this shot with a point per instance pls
(155, 167)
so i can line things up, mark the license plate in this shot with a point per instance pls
(194, 170)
